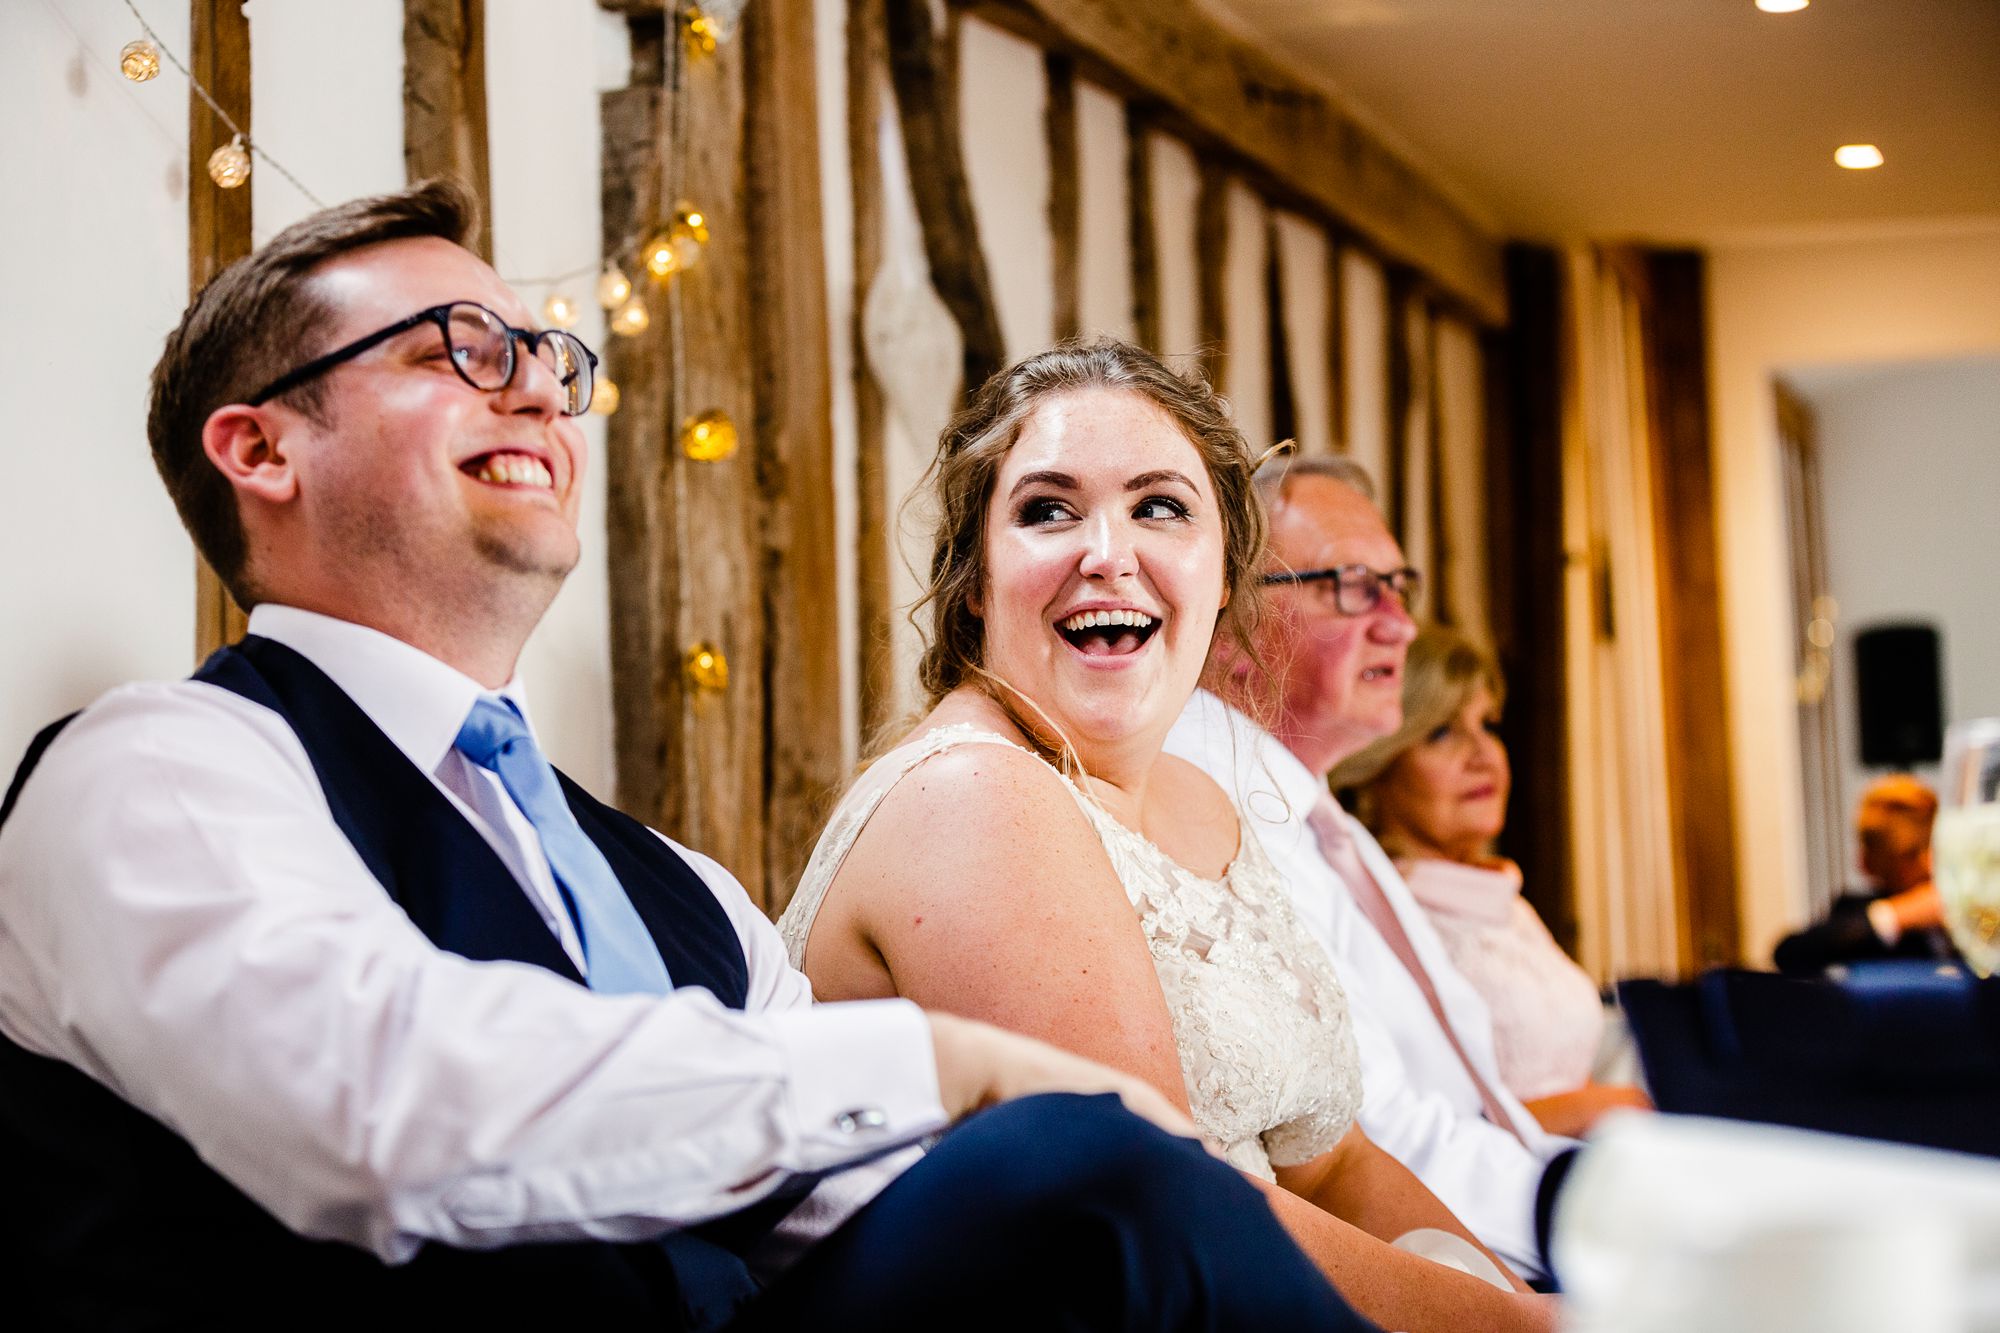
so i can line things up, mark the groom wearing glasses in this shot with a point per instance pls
(1326, 679)
(324, 997)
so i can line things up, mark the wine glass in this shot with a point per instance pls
(1965, 845)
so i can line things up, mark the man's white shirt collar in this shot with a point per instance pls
(419, 702)
(1272, 786)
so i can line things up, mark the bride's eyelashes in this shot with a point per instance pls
(1040, 511)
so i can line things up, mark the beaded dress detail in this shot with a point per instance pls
(1259, 1019)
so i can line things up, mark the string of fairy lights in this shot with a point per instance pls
(660, 253)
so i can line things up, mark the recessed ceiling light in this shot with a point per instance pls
(1782, 6)
(1858, 156)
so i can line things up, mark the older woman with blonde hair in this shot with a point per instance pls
(1434, 793)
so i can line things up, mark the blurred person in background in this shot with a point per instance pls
(1897, 915)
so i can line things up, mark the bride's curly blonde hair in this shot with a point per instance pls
(959, 484)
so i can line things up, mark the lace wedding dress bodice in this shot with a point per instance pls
(1259, 1019)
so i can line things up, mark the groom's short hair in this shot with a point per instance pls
(253, 322)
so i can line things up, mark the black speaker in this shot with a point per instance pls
(1899, 682)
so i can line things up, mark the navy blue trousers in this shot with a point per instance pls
(1057, 1212)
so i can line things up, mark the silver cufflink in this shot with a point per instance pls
(866, 1117)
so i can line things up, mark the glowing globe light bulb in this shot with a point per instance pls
(662, 259)
(559, 311)
(229, 165)
(1858, 156)
(688, 234)
(613, 288)
(703, 33)
(139, 61)
(709, 438)
(706, 668)
(630, 320)
(604, 397)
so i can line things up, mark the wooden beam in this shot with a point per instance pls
(218, 228)
(1306, 150)
(719, 510)
(644, 560)
(1284, 396)
(1211, 254)
(794, 430)
(1690, 592)
(1336, 341)
(444, 101)
(1144, 240)
(867, 94)
(923, 65)
(1526, 573)
(1065, 194)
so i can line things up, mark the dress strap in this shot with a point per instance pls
(851, 816)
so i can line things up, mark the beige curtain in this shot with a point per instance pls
(1461, 573)
(1417, 451)
(1628, 922)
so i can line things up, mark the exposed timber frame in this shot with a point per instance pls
(218, 229)
(1303, 150)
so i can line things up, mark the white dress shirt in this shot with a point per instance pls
(181, 919)
(1417, 1100)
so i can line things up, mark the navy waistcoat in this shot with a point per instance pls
(121, 1224)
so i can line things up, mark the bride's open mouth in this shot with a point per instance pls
(1117, 633)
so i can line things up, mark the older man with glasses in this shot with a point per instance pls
(1326, 678)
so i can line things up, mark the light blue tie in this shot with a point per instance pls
(619, 955)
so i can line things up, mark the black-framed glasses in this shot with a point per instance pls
(1356, 589)
(481, 347)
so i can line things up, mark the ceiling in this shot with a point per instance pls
(1670, 121)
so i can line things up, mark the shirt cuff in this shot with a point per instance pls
(863, 1078)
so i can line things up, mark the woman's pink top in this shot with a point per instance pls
(1547, 1017)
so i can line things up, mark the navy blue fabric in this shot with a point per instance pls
(1903, 1051)
(1058, 1212)
(437, 866)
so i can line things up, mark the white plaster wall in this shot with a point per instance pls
(1003, 103)
(326, 100)
(1909, 470)
(1176, 188)
(1246, 316)
(544, 134)
(1305, 275)
(1104, 216)
(1773, 307)
(1364, 348)
(915, 352)
(99, 586)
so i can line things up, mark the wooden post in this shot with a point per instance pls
(644, 557)
(1145, 242)
(867, 92)
(1211, 254)
(1284, 400)
(1527, 570)
(1065, 194)
(1699, 781)
(444, 101)
(718, 511)
(218, 227)
(794, 430)
(924, 66)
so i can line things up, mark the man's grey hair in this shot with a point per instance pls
(1275, 475)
